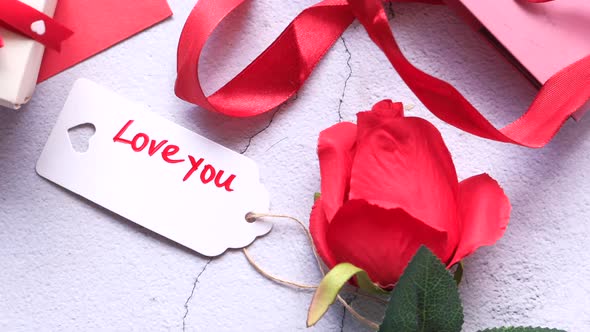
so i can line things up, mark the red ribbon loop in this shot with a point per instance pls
(284, 66)
(276, 74)
(26, 20)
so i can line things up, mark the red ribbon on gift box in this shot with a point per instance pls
(28, 21)
(283, 67)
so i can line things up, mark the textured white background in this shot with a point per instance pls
(69, 265)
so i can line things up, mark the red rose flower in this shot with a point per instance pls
(389, 186)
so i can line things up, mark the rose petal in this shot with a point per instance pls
(380, 241)
(318, 226)
(386, 109)
(404, 163)
(336, 147)
(484, 212)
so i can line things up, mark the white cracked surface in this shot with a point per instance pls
(69, 265)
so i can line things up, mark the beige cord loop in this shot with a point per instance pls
(272, 277)
(252, 217)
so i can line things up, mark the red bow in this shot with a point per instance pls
(282, 69)
(26, 20)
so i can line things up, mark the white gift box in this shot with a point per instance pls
(20, 60)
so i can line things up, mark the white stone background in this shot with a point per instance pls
(69, 265)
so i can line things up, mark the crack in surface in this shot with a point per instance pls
(284, 138)
(260, 131)
(352, 299)
(389, 11)
(346, 80)
(186, 310)
(343, 318)
(265, 127)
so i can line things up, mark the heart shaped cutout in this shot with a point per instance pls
(80, 136)
(38, 27)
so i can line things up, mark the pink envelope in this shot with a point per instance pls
(539, 38)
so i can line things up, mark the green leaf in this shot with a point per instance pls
(425, 298)
(329, 287)
(521, 329)
(316, 196)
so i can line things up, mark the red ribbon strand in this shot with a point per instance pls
(28, 21)
(284, 66)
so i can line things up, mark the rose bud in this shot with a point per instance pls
(388, 186)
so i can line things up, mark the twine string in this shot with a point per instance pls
(253, 217)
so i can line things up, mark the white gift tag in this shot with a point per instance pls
(155, 173)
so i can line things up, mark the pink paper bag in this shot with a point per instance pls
(539, 38)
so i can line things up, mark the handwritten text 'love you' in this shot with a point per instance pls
(169, 153)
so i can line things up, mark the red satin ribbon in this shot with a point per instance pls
(285, 65)
(19, 17)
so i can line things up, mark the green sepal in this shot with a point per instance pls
(328, 290)
(365, 283)
(458, 275)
